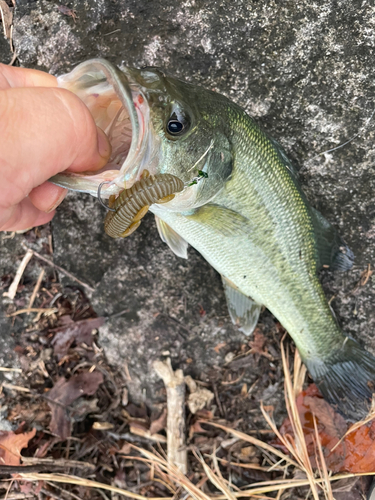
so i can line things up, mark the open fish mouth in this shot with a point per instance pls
(122, 112)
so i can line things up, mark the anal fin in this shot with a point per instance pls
(175, 242)
(243, 310)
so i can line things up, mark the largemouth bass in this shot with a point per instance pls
(240, 205)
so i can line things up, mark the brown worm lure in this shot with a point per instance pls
(132, 204)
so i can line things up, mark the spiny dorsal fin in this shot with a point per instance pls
(332, 249)
(289, 165)
(244, 312)
(175, 242)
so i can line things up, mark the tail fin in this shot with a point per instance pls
(346, 379)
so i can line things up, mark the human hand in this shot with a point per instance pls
(44, 130)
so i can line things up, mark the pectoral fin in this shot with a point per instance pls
(175, 242)
(224, 220)
(333, 252)
(243, 311)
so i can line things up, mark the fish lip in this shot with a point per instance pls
(130, 95)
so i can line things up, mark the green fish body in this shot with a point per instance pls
(243, 209)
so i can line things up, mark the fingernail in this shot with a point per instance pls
(57, 202)
(104, 146)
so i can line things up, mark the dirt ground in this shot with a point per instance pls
(305, 73)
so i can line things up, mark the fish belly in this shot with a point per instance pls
(298, 304)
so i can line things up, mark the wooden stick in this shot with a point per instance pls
(36, 288)
(41, 310)
(62, 271)
(11, 293)
(175, 385)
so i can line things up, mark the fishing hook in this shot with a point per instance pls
(99, 198)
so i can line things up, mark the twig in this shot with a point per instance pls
(363, 279)
(64, 490)
(4, 369)
(7, 18)
(14, 387)
(13, 469)
(62, 271)
(11, 293)
(13, 60)
(78, 481)
(147, 434)
(60, 462)
(36, 288)
(132, 438)
(49, 494)
(48, 310)
(18, 496)
(222, 413)
(175, 385)
(111, 32)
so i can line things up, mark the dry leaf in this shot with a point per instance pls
(196, 428)
(198, 397)
(355, 453)
(257, 344)
(11, 445)
(63, 393)
(160, 423)
(74, 331)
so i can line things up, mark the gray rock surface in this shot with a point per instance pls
(304, 70)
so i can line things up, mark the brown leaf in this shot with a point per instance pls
(205, 414)
(258, 343)
(356, 450)
(334, 424)
(160, 423)
(196, 427)
(78, 331)
(11, 445)
(126, 449)
(63, 393)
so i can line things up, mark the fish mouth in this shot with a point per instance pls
(120, 109)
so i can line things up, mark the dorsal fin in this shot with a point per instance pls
(175, 242)
(289, 165)
(243, 310)
(333, 252)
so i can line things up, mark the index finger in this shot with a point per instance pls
(11, 77)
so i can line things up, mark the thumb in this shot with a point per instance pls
(45, 131)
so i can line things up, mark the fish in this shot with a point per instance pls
(240, 206)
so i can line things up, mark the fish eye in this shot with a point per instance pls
(178, 123)
(175, 127)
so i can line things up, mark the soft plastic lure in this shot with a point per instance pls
(129, 208)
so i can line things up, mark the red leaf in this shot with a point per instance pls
(355, 453)
(11, 445)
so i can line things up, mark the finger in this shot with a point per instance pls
(23, 216)
(47, 196)
(45, 131)
(22, 77)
